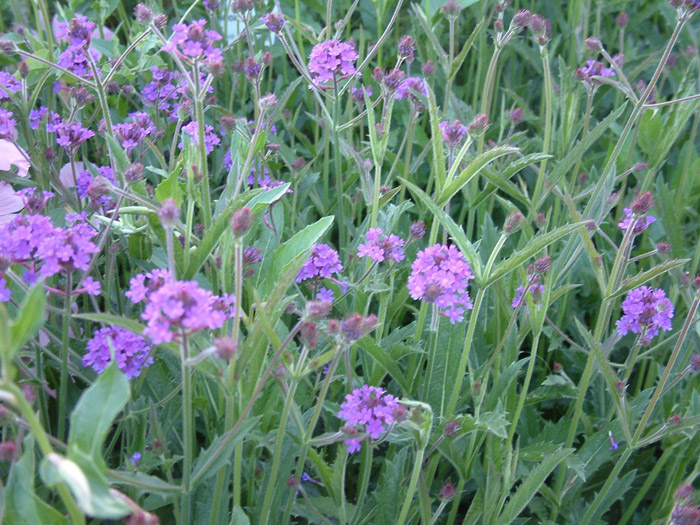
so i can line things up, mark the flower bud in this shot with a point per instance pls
(273, 22)
(169, 212)
(683, 493)
(98, 188)
(663, 247)
(378, 75)
(417, 230)
(643, 203)
(451, 9)
(522, 18)
(451, 428)
(513, 222)
(516, 115)
(268, 101)
(479, 124)
(447, 492)
(593, 44)
(143, 14)
(540, 221)
(225, 348)
(9, 451)
(241, 222)
(309, 334)
(160, 21)
(428, 69)
(622, 20)
(543, 264)
(407, 48)
(695, 363)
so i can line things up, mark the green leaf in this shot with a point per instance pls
(531, 485)
(29, 319)
(220, 452)
(648, 275)
(114, 320)
(472, 170)
(96, 410)
(296, 248)
(142, 481)
(458, 235)
(459, 59)
(436, 137)
(390, 494)
(534, 246)
(22, 505)
(239, 517)
(117, 153)
(384, 360)
(169, 188)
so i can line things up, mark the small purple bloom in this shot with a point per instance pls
(9, 84)
(640, 223)
(440, 275)
(130, 350)
(409, 87)
(369, 409)
(593, 69)
(380, 247)
(453, 133)
(536, 291)
(324, 294)
(7, 125)
(193, 41)
(36, 115)
(330, 59)
(323, 263)
(273, 22)
(646, 311)
(211, 139)
(613, 444)
(72, 135)
(130, 134)
(136, 459)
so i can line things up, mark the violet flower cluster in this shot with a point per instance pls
(409, 87)
(641, 223)
(130, 134)
(194, 42)
(130, 350)
(9, 84)
(322, 263)
(72, 135)
(593, 69)
(85, 180)
(78, 34)
(367, 409)
(211, 139)
(536, 292)
(7, 125)
(164, 91)
(380, 247)
(646, 311)
(440, 275)
(453, 133)
(332, 59)
(177, 308)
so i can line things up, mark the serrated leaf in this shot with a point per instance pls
(472, 170)
(534, 246)
(648, 275)
(531, 485)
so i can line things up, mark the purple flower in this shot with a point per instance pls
(323, 263)
(9, 84)
(324, 294)
(7, 125)
(330, 59)
(77, 33)
(91, 286)
(380, 247)
(536, 291)
(593, 69)
(163, 91)
(194, 42)
(21, 237)
(5, 292)
(175, 308)
(135, 459)
(36, 115)
(85, 179)
(409, 87)
(211, 139)
(273, 22)
(453, 133)
(645, 310)
(440, 275)
(67, 249)
(613, 444)
(130, 134)
(130, 350)
(640, 224)
(54, 122)
(369, 409)
(71, 136)
(685, 515)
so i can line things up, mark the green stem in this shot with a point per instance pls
(188, 432)
(548, 94)
(65, 345)
(526, 386)
(408, 499)
(339, 193)
(365, 470)
(202, 148)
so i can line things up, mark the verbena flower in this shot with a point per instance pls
(367, 409)
(7, 125)
(536, 291)
(380, 247)
(211, 139)
(163, 91)
(85, 179)
(9, 84)
(193, 41)
(409, 87)
(440, 275)
(646, 311)
(130, 134)
(36, 115)
(323, 263)
(641, 223)
(175, 308)
(273, 22)
(130, 350)
(593, 69)
(72, 135)
(325, 294)
(330, 59)
(67, 249)
(453, 133)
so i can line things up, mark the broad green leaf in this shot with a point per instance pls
(452, 228)
(239, 517)
(96, 409)
(390, 493)
(169, 188)
(384, 360)
(30, 317)
(117, 153)
(142, 481)
(22, 505)
(472, 170)
(534, 246)
(220, 452)
(531, 485)
(648, 275)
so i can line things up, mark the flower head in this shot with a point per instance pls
(273, 22)
(323, 263)
(440, 275)
(211, 139)
(593, 69)
(331, 58)
(72, 135)
(7, 125)
(130, 134)
(369, 409)
(380, 247)
(640, 223)
(536, 291)
(453, 132)
(194, 42)
(409, 87)
(131, 351)
(646, 311)
(9, 84)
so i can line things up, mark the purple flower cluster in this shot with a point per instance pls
(78, 34)
(37, 115)
(330, 59)
(440, 275)
(536, 291)
(380, 247)
(163, 91)
(176, 308)
(323, 263)
(211, 139)
(130, 134)
(194, 42)
(85, 179)
(646, 310)
(9, 84)
(641, 223)
(130, 350)
(72, 135)
(7, 125)
(367, 409)
(593, 69)
(409, 87)
(453, 133)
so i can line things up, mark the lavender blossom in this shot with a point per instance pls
(130, 350)
(440, 275)
(71, 136)
(130, 134)
(194, 42)
(640, 223)
(9, 84)
(453, 133)
(646, 311)
(211, 139)
(323, 263)
(7, 125)
(380, 247)
(593, 69)
(367, 409)
(330, 59)
(410, 87)
(536, 291)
